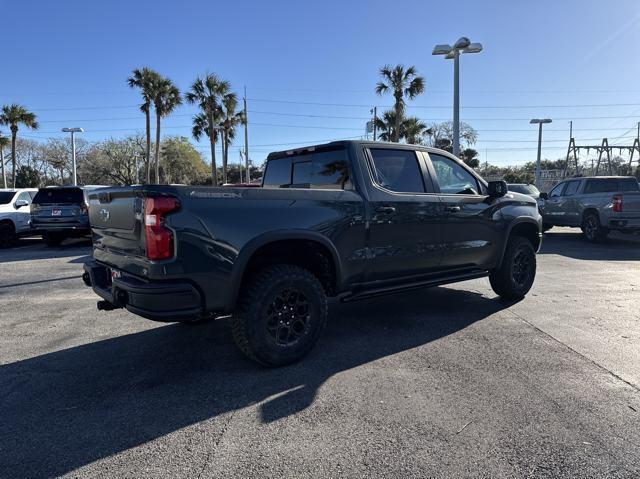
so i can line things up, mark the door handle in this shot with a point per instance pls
(452, 208)
(386, 209)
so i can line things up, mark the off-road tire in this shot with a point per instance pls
(7, 234)
(257, 311)
(592, 230)
(515, 276)
(52, 239)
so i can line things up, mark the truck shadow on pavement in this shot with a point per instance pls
(618, 247)
(62, 410)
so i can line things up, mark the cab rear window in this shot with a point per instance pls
(629, 184)
(59, 195)
(611, 185)
(323, 169)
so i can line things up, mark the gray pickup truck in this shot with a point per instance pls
(597, 204)
(348, 220)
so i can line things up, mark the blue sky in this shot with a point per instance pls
(310, 67)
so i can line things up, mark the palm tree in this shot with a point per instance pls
(230, 119)
(201, 127)
(207, 93)
(4, 141)
(412, 129)
(166, 97)
(13, 115)
(386, 125)
(145, 79)
(401, 82)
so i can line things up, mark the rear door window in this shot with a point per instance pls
(322, 169)
(397, 170)
(59, 195)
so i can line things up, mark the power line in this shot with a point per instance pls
(359, 105)
(484, 107)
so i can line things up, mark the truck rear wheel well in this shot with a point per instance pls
(311, 255)
(529, 231)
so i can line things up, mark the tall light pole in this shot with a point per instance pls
(463, 45)
(73, 150)
(539, 122)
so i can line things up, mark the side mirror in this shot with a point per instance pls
(21, 203)
(497, 189)
(544, 196)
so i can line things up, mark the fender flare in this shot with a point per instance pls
(248, 250)
(517, 221)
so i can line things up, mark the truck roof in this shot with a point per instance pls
(346, 143)
(612, 177)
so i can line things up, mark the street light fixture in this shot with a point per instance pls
(463, 45)
(73, 150)
(539, 122)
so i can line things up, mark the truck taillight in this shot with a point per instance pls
(617, 203)
(84, 209)
(159, 238)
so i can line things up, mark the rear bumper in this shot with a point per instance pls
(622, 224)
(70, 227)
(159, 301)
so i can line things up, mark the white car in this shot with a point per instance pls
(15, 214)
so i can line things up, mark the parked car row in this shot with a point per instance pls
(597, 205)
(54, 212)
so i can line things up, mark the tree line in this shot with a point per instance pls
(218, 119)
(119, 161)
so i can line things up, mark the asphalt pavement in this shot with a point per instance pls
(447, 382)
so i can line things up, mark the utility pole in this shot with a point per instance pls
(4, 176)
(246, 137)
(73, 150)
(375, 126)
(241, 161)
(571, 129)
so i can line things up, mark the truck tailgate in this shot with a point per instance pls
(630, 204)
(116, 220)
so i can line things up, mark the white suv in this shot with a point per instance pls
(15, 214)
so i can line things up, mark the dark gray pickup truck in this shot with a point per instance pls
(346, 219)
